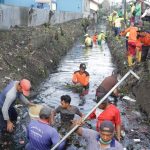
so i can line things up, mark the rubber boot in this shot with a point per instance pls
(130, 61)
(139, 56)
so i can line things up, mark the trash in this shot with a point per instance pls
(25, 115)
(129, 99)
(123, 134)
(136, 140)
(21, 142)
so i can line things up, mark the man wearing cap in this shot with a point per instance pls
(14, 90)
(81, 78)
(101, 37)
(40, 134)
(88, 41)
(107, 111)
(102, 140)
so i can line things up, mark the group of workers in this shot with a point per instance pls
(137, 40)
(42, 135)
(96, 39)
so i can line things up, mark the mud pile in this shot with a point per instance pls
(138, 89)
(35, 52)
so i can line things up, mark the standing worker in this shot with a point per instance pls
(66, 111)
(102, 140)
(107, 111)
(88, 41)
(101, 37)
(14, 90)
(131, 42)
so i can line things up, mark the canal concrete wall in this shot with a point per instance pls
(140, 89)
(32, 53)
(11, 16)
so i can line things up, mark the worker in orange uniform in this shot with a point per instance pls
(81, 78)
(131, 42)
(145, 39)
(138, 49)
(95, 37)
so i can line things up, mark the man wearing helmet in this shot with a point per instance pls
(81, 78)
(14, 90)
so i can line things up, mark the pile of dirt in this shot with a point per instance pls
(139, 89)
(33, 53)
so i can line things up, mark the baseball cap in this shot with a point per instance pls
(82, 65)
(86, 35)
(107, 126)
(25, 86)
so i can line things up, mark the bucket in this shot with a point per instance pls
(34, 111)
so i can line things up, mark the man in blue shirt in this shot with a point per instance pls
(40, 134)
(13, 91)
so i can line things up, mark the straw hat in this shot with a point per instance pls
(35, 110)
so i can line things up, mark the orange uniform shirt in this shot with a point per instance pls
(145, 39)
(83, 79)
(133, 33)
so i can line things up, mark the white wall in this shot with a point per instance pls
(93, 6)
(11, 16)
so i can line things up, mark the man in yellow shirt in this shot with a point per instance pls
(88, 41)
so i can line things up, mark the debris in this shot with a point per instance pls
(8, 78)
(136, 140)
(21, 142)
(129, 99)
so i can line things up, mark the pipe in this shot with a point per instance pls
(73, 129)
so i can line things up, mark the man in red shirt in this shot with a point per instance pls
(107, 111)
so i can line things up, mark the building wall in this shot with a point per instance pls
(13, 15)
(86, 8)
(25, 3)
(69, 5)
(93, 6)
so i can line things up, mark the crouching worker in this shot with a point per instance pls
(102, 140)
(40, 134)
(81, 79)
(13, 91)
(106, 85)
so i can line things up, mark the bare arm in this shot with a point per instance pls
(79, 131)
(53, 114)
(118, 129)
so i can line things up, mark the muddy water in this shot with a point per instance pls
(99, 65)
